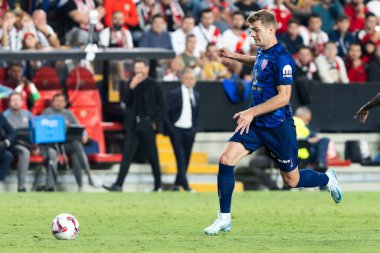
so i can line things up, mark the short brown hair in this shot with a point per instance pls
(266, 17)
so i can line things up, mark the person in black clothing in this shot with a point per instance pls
(247, 7)
(7, 137)
(181, 124)
(144, 112)
(374, 67)
(291, 38)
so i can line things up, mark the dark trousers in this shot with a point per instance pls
(142, 133)
(6, 158)
(318, 152)
(182, 141)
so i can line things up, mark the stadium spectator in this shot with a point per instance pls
(331, 68)
(172, 73)
(78, 15)
(181, 124)
(146, 9)
(19, 119)
(4, 7)
(206, 33)
(126, 7)
(329, 11)
(213, 68)
(315, 38)
(368, 51)
(116, 35)
(21, 84)
(356, 69)
(75, 148)
(341, 36)
(222, 15)
(369, 32)
(7, 137)
(374, 7)
(282, 13)
(247, 7)
(305, 65)
(188, 56)
(172, 13)
(291, 38)
(144, 112)
(156, 36)
(356, 11)
(178, 37)
(374, 67)
(318, 146)
(301, 9)
(11, 32)
(235, 39)
(44, 32)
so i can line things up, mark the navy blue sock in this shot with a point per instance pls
(226, 184)
(312, 178)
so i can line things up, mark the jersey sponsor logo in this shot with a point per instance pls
(284, 161)
(287, 71)
(257, 88)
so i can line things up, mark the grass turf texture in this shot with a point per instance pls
(173, 222)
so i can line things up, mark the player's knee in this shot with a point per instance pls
(226, 159)
(291, 182)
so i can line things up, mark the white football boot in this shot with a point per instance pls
(223, 222)
(333, 186)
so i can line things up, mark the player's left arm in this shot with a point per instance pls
(244, 118)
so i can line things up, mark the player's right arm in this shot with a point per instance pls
(363, 112)
(245, 59)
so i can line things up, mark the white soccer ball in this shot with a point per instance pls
(65, 227)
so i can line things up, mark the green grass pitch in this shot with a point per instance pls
(173, 222)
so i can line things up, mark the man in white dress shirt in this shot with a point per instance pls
(181, 123)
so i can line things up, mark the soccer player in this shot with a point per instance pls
(268, 121)
(363, 112)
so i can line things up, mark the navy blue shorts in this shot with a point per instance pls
(280, 141)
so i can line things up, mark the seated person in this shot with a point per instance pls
(213, 68)
(7, 137)
(331, 67)
(318, 146)
(256, 171)
(17, 81)
(19, 119)
(74, 148)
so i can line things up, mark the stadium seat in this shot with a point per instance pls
(47, 83)
(86, 106)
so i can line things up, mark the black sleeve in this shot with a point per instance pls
(168, 126)
(8, 129)
(69, 7)
(128, 96)
(160, 104)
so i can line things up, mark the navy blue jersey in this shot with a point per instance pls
(274, 66)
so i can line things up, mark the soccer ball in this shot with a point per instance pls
(65, 227)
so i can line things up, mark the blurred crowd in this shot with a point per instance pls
(334, 41)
